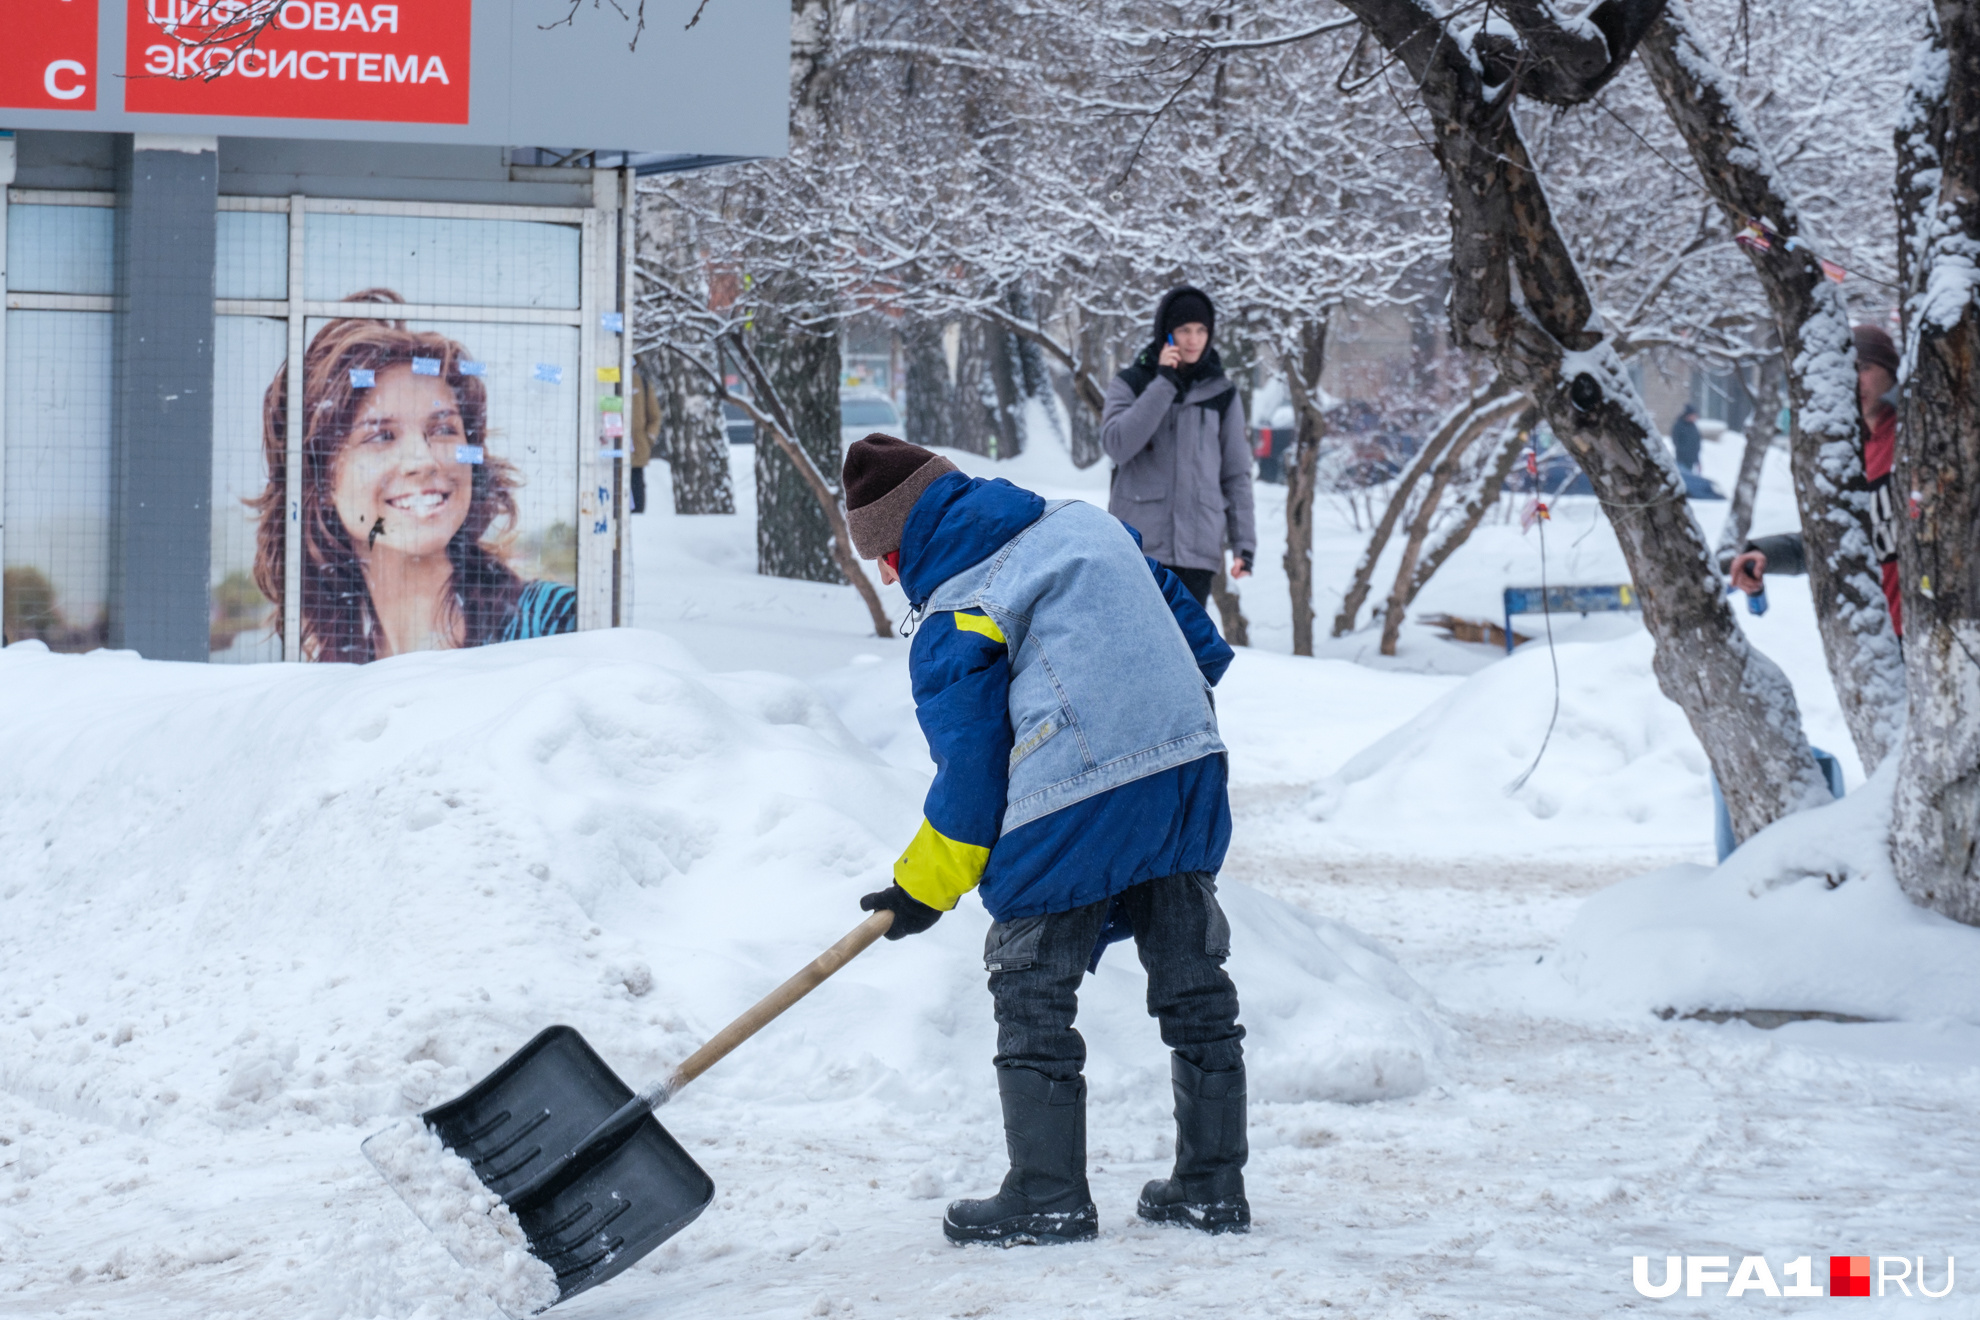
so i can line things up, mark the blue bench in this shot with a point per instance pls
(1566, 600)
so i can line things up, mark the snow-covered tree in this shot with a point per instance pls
(1519, 297)
(1937, 816)
(1812, 321)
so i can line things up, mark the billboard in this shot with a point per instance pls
(399, 63)
(488, 72)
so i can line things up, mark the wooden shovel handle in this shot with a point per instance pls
(766, 1009)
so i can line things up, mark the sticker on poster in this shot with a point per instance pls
(615, 425)
(472, 368)
(363, 378)
(468, 453)
(549, 373)
(613, 323)
(425, 366)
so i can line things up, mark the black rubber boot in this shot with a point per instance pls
(1207, 1189)
(1044, 1197)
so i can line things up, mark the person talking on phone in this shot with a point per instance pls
(1174, 426)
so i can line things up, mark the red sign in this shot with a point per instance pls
(317, 59)
(48, 59)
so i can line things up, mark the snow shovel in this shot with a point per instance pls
(593, 1179)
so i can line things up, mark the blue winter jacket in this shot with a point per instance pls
(1062, 680)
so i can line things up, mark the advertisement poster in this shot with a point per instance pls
(48, 61)
(438, 494)
(437, 499)
(405, 62)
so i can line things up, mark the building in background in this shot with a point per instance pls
(339, 213)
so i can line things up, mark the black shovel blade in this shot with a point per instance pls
(601, 1216)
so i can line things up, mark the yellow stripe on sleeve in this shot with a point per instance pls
(937, 870)
(980, 623)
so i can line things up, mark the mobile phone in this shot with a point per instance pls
(1172, 341)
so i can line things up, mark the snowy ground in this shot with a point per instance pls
(248, 915)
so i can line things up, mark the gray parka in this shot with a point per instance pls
(1182, 473)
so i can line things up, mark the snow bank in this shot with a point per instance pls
(1622, 771)
(271, 908)
(1805, 916)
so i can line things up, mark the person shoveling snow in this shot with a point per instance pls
(1063, 679)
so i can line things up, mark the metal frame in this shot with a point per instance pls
(9, 164)
(604, 254)
(297, 318)
(622, 615)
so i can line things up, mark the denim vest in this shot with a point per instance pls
(1104, 689)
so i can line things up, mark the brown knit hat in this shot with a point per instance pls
(883, 478)
(1875, 349)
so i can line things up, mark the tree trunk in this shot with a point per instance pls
(1237, 631)
(930, 419)
(1936, 824)
(793, 539)
(1363, 580)
(1759, 439)
(1480, 410)
(972, 396)
(1302, 474)
(1083, 395)
(1550, 343)
(1085, 438)
(773, 426)
(693, 439)
(1813, 323)
(1005, 371)
(1018, 369)
(1480, 497)
(1405, 588)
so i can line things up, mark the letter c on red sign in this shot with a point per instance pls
(58, 91)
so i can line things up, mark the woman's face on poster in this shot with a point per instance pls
(397, 467)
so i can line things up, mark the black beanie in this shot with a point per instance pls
(883, 477)
(1183, 306)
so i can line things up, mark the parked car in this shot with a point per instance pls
(1561, 475)
(862, 412)
(736, 422)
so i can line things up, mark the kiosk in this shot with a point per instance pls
(215, 207)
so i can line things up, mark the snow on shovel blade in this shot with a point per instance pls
(548, 1177)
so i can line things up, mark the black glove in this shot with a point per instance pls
(911, 915)
(1244, 558)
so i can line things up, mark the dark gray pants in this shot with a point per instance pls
(1037, 963)
(1197, 582)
